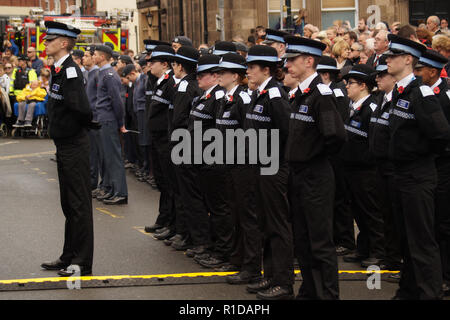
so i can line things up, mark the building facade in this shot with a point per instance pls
(207, 21)
(55, 7)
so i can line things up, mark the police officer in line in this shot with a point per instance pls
(290, 84)
(96, 156)
(418, 129)
(344, 235)
(270, 110)
(69, 118)
(246, 246)
(215, 182)
(275, 39)
(123, 61)
(360, 174)
(316, 131)
(111, 116)
(429, 69)
(180, 41)
(379, 144)
(160, 100)
(77, 56)
(195, 214)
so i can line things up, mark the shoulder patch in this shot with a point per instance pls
(274, 93)
(71, 73)
(448, 94)
(373, 106)
(245, 97)
(324, 89)
(183, 86)
(219, 94)
(426, 91)
(338, 93)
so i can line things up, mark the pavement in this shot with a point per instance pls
(32, 225)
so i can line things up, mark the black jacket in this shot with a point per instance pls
(160, 100)
(343, 101)
(316, 129)
(355, 151)
(417, 125)
(379, 130)
(270, 110)
(443, 94)
(68, 105)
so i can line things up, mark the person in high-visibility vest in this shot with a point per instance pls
(21, 76)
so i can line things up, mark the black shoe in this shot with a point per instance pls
(129, 165)
(103, 195)
(181, 245)
(176, 237)
(446, 289)
(342, 251)
(116, 200)
(371, 262)
(153, 228)
(201, 256)
(262, 285)
(390, 267)
(196, 250)
(276, 293)
(75, 270)
(243, 277)
(354, 257)
(228, 267)
(55, 265)
(212, 262)
(18, 124)
(95, 193)
(161, 230)
(394, 277)
(28, 124)
(164, 235)
(142, 178)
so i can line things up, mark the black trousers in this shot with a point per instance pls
(362, 183)
(443, 214)
(421, 276)
(195, 212)
(386, 197)
(161, 171)
(246, 249)
(215, 184)
(72, 157)
(343, 228)
(311, 196)
(273, 214)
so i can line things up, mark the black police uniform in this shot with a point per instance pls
(246, 251)
(418, 128)
(69, 116)
(269, 110)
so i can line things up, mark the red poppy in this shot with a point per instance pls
(230, 98)
(208, 96)
(306, 90)
(262, 92)
(292, 96)
(436, 90)
(57, 69)
(166, 76)
(400, 89)
(126, 95)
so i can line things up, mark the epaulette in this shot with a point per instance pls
(324, 89)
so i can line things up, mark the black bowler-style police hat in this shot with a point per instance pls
(241, 46)
(162, 53)
(400, 46)
(208, 63)
(274, 36)
(363, 73)
(127, 70)
(125, 59)
(90, 49)
(186, 54)
(77, 53)
(222, 47)
(382, 65)
(104, 49)
(58, 29)
(185, 41)
(297, 46)
(233, 62)
(261, 54)
(150, 45)
(109, 44)
(433, 59)
(327, 64)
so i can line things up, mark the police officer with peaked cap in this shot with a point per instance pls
(180, 41)
(69, 118)
(429, 68)
(316, 131)
(275, 39)
(223, 47)
(418, 130)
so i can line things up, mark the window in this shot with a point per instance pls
(344, 10)
(274, 11)
(57, 6)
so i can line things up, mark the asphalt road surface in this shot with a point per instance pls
(32, 225)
